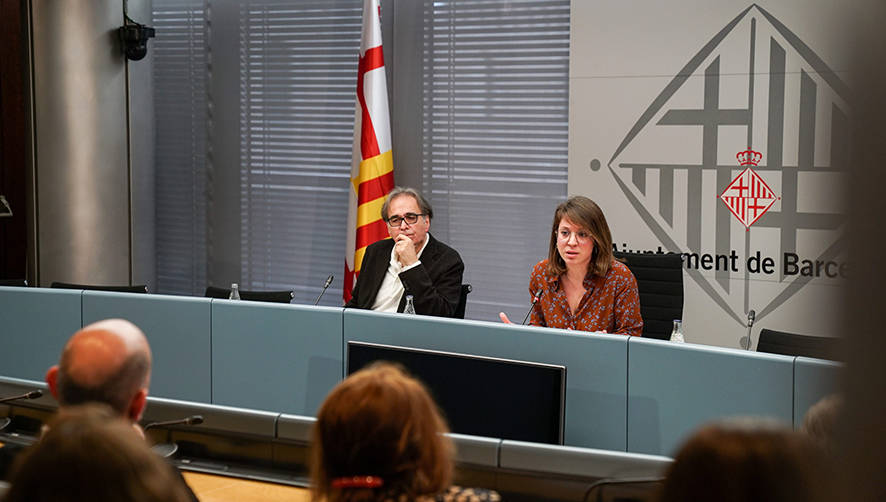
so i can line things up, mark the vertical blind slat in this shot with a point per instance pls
(179, 52)
(298, 72)
(493, 177)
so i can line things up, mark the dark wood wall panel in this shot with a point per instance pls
(13, 137)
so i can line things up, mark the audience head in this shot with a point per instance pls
(746, 461)
(89, 453)
(820, 422)
(106, 362)
(379, 434)
(584, 214)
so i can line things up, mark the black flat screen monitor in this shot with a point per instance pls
(482, 396)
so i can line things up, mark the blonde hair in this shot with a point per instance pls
(822, 420)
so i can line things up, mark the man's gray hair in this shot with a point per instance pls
(423, 205)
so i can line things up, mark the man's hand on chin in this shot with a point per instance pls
(405, 249)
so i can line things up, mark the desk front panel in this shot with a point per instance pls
(596, 364)
(35, 324)
(277, 357)
(177, 327)
(674, 388)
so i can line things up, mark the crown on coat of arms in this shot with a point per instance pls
(748, 158)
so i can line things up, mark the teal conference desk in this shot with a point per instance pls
(624, 394)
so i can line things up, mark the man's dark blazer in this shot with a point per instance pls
(435, 284)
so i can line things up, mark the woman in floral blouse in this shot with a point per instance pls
(581, 286)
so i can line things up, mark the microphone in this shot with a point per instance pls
(752, 316)
(167, 450)
(328, 282)
(191, 420)
(535, 298)
(34, 394)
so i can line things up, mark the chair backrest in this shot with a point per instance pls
(462, 301)
(791, 344)
(660, 284)
(14, 282)
(624, 489)
(135, 288)
(253, 296)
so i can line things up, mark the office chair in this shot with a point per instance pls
(624, 490)
(23, 283)
(660, 284)
(791, 344)
(253, 296)
(135, 288)
(462, 301)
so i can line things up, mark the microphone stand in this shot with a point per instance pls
(752, 315)
(328, 282)
(535, 298)
(34, 394)
(168, 449)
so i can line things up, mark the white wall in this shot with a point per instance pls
(637, 67)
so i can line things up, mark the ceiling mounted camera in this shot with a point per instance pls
(134, 37)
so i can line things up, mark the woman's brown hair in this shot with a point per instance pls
(90, 453)
(747, 460)
(587, 214)
(380, 422)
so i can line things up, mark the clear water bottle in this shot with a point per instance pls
(677, 332)
(410, 306)
(235, 292)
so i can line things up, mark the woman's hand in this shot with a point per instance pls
(504, 318)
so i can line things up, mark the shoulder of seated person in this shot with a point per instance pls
(458, 493)
(619, 267)
(442, 247)
(454, 494)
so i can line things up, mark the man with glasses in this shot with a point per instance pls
(411, 262)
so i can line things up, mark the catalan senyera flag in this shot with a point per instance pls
(372, 167)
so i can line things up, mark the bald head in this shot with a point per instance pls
(109, 362)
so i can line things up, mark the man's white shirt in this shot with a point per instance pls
(391, 290)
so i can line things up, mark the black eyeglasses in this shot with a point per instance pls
(409, 218)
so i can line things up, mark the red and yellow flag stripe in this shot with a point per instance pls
(375, 180)
(372, 171)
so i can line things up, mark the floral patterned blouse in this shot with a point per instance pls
(610, 303)
(452, 494)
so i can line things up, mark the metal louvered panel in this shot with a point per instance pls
(495, 138)
(180, 87)
(298, 73)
